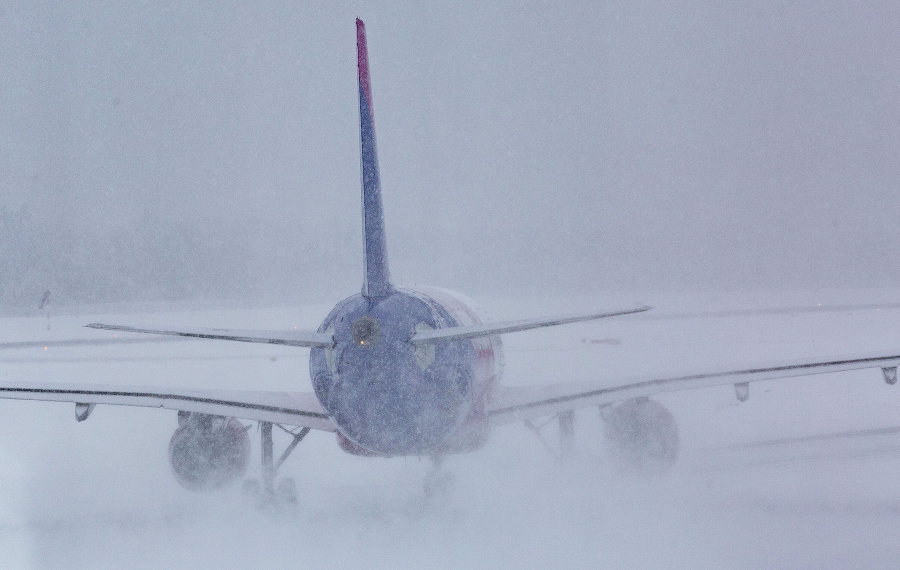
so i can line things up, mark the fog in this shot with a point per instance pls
(196, 150)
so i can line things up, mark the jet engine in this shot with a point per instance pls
(642, 436)
(208, 452)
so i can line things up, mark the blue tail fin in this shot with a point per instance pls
(378, 278)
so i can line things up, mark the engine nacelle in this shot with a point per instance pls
(208, 452)
(643, 436)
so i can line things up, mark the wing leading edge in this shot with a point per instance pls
(289, 408)
(511, 404)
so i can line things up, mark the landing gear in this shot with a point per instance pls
(566, 434)
(439, 482)
(642, 434)
(270, 493)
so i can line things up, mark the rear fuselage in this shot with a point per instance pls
(385, 395)
(389, 397)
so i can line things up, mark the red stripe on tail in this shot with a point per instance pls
(362, 54)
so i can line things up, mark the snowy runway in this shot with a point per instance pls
(99, 494)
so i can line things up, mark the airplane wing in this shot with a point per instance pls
(512, 404)
(290, 408)
(313, 339)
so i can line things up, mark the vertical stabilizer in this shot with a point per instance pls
(377, 275)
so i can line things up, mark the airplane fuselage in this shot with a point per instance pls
(387, 396)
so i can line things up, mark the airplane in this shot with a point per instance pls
(406, 372)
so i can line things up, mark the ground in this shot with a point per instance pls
(99, 494)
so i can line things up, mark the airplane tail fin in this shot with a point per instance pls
(377, 275)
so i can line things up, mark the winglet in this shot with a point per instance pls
(377, 281)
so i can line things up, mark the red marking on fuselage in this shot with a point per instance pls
(362, 55)
(488, 350)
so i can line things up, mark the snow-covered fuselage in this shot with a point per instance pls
(387, 396)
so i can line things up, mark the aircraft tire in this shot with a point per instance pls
(642, 436)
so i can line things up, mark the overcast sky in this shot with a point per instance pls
(211, 148)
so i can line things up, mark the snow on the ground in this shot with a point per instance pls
(99, 494)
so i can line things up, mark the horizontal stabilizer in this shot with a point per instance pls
(309, 339)
(487, 329)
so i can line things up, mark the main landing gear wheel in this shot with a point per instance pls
(642, 436)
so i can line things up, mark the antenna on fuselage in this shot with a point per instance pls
(377, 280)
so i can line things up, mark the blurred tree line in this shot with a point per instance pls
(185, 262)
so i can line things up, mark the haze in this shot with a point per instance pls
(204, 150)
(705, 155)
